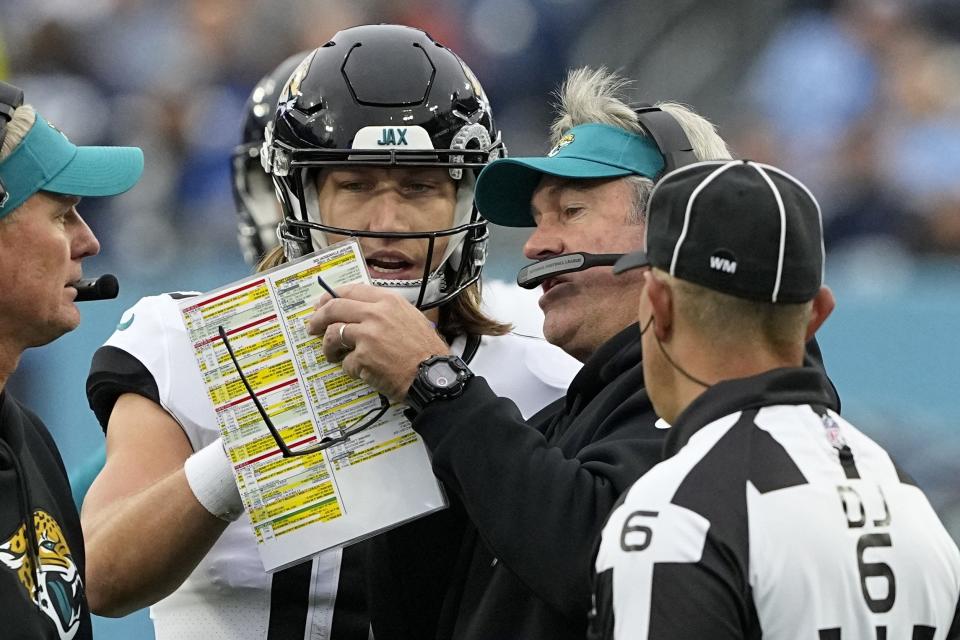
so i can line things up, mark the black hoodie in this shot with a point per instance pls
(38, 599)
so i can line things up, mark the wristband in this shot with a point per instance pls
(210, 476)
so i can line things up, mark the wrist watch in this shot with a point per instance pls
(438, 377)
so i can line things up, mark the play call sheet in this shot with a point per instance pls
(299, 506)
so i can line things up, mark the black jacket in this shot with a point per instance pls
(45, 599)
(536, 495)
(769, 519)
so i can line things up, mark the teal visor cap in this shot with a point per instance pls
(505, 187)
(46, 161)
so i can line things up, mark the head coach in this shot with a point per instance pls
(772, 516)
(537, 491)
(43, 241)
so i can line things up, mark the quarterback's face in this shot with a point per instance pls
(42, 244)
(585, 309)
(389, 199)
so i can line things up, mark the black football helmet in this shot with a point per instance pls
(385, 95)
(258, 211)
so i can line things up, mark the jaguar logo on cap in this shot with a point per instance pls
(57, 129)
(564, 141)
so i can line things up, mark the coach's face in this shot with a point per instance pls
(585, 309)
(42, 244)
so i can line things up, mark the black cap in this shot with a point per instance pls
(738, 227)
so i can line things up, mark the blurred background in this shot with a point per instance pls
(858, 98)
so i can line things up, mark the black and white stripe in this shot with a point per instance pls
(779, 521)
(315, 601)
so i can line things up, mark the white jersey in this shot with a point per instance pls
(229, 595)
(777, 519)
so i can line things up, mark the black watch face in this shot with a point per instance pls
(442, 375)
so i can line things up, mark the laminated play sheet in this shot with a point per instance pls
(360, 483)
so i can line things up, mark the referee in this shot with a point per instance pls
(772, 516)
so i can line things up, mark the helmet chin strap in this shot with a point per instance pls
(409, 289)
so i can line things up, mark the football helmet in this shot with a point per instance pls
(258, 211)
(382, 96)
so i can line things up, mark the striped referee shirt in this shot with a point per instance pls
(772, 517)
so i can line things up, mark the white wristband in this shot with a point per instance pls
(210, 476)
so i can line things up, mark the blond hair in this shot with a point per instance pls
(23, 118)
(20, 124)
(599, 96)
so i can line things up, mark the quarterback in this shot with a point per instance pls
(378, 135)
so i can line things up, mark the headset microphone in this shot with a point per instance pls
(105, 287)
(532, 275)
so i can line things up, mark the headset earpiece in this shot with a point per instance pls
(669, 136)
(11, 97)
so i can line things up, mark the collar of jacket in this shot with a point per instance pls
(613, 357)
(10, 427)
(793, 385)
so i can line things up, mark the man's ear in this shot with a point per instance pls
(660, 299)
(823, 304)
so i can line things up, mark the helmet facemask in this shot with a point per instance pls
(385, 96)
(458, 267)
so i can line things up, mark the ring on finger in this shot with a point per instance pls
(343, 343)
